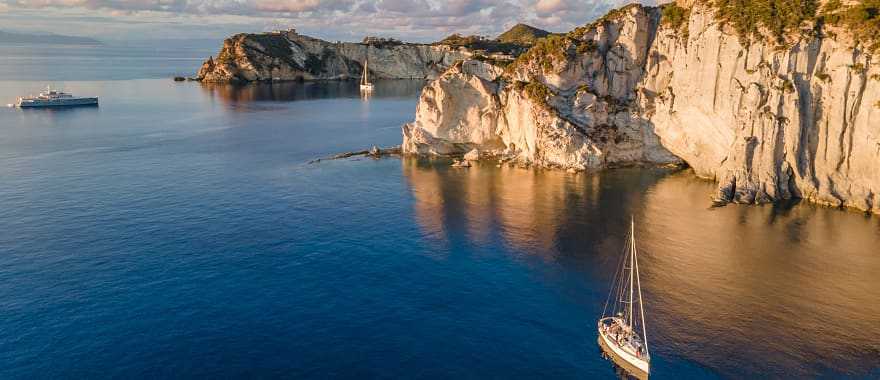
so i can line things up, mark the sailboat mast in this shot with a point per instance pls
(641, 305)
(632, 250)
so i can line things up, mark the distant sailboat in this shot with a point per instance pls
(622, 334)
(366, 85)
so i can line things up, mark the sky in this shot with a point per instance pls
(346, 20)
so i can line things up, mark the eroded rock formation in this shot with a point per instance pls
(767, 122)
(291, 56)
(580, 114)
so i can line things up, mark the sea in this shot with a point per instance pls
(179, 230)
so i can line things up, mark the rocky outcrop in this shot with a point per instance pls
(767, 122)
(580, 115)
(291, 56)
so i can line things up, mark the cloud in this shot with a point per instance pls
(411, 20)
(206, 7)
(547, 7)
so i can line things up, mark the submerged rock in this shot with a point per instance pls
(374, 152)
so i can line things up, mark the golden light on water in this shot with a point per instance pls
(775, 287)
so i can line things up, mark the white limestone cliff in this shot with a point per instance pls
(291, 56)
(767, 123)
(573, 117)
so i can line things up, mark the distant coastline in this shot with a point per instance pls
(45, 39)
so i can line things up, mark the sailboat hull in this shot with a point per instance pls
(636, 366)
(366, 87)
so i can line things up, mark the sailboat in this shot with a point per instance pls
(622, 334)
(366, 85)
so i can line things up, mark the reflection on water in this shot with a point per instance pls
(293, 91)
(778, 291)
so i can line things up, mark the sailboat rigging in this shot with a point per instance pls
(622, 332)
(366, 85)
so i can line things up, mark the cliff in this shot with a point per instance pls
(291, 56)
(785, 116)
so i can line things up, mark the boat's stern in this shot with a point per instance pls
(636, 366)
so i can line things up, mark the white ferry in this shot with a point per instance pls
(53, 98)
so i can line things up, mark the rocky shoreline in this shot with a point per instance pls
(289, 56)
(768, 122)
(373, 152)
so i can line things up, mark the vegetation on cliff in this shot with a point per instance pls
(861, 19)
(514, 41)
(536, 91)
(522, 34)
(549, 52)
(482, 43)
(676, 17)
(552, 51)
(779, 20)
(760, 19)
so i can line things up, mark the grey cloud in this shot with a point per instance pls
(208, 7)
(419, 20)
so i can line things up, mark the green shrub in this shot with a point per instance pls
(861, 19)
(474, 42)
(752, 18)
(675, 17)
(492, 61)
(588, 46)
(538, 93)
(548, 51)
(823, 77)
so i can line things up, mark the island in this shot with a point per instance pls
(55, 39)
(288, 55)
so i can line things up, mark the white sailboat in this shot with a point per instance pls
(366, 85)
(622, 334)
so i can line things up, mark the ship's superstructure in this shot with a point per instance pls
(53, 98)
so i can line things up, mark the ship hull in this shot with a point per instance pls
(58, 103)
(636, 367)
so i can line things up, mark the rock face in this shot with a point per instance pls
(580, 116)
(767, 123)
(291, 56)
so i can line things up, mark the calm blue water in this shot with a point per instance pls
(113, 61)
(178, 231)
